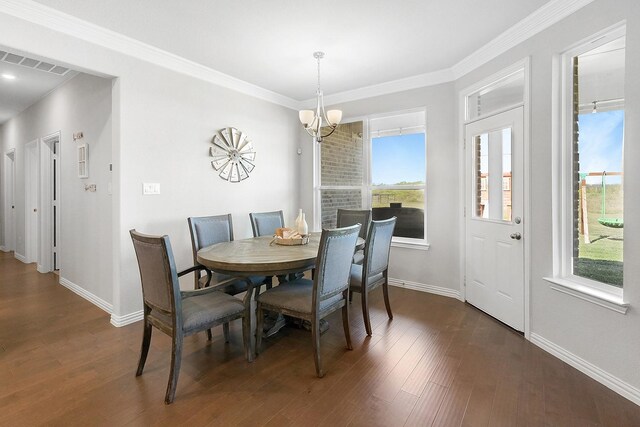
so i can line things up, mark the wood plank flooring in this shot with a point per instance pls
(439, 362)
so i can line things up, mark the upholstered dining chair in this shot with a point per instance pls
(314, 300)
(374, 270)
(265, 223)
(179, 313)
(206, 231)
(347, 217)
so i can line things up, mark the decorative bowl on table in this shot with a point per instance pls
(289, 237)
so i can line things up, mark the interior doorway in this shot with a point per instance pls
(494, 202)
(49, 202)
(9, 202)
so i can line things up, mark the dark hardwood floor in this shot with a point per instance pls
(439, 362)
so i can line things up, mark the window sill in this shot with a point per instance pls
(587, 293)
(421, 246)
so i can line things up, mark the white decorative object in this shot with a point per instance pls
(83, 161)
(233, 155)
(313, 120)
(303, 227)
(298, 219)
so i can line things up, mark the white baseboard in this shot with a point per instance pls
(20, 257)
(127, 319)
(446, 292)
(86, 295)
(4, 249)
(614, 383)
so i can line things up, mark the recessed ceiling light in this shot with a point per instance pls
(8, 76)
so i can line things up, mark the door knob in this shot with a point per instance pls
(516, 236)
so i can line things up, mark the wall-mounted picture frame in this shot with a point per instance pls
(83, 161)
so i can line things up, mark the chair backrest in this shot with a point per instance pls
(265, 223)
(333, 265)
(347, 217)
(378, 245)
(209, 230)
(158, 274)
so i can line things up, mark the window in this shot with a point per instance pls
(497, 96)
(383, 169)
(593, 216)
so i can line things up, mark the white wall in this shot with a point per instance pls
(162, 124)
(439, 265)
(81, 104)
(606, 339)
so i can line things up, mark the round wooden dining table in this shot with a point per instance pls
(258, 256)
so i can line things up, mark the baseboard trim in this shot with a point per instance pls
(127, 319)
(86, 295)
(4, 249)
(603, 377)
(20, 257)
(422, 287)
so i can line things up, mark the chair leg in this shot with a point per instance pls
(345, 325)
(209, 336)
(246, 338)
(225, 329)
(176, 358)
(259, 327)
(315, 336)
(144, 351)
(365, 310)
(385, 292)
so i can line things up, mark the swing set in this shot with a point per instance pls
(607, 221)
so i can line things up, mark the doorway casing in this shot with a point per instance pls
(523, 64)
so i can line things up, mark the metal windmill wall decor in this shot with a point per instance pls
(233, 154)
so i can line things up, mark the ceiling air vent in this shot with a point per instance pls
(33, 63)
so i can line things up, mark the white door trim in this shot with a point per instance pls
(9, 183)
(522, 64)
(47, 225)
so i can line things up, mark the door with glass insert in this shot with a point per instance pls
(494, 263)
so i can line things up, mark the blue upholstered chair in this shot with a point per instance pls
(265, 223)
(313, 300)
(374, 270)
(206, 231)
(179, 314)
(347, 217)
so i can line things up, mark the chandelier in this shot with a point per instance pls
(314, 120)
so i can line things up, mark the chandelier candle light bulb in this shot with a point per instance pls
(313, 120)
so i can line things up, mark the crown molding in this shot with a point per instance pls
(53, 19)
(394, 86)
(38, 14)
(538, 21)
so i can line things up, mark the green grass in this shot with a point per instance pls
(601, 259)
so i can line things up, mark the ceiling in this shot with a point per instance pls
(270, 44)
(30, 83)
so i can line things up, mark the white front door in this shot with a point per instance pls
(494, 266)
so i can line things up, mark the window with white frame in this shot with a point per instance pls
(377, 164)
(592, 231)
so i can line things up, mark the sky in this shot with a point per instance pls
(600, 143)
(398, 158)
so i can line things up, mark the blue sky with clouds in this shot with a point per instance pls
(600, 143)
(398, 158)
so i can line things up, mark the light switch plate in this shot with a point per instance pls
(150, 188)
